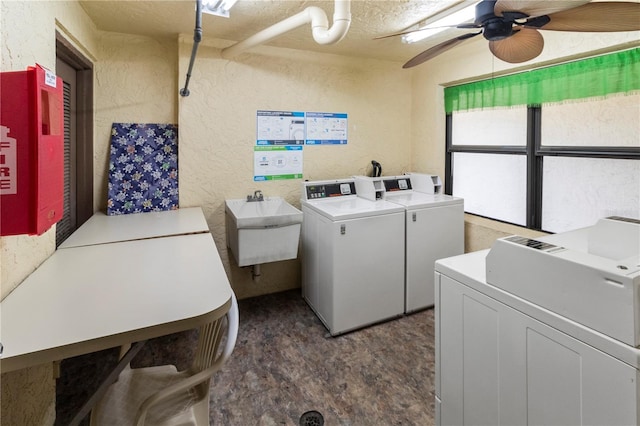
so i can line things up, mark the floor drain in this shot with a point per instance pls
(311, 418)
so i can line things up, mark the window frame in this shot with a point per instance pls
(535, 154)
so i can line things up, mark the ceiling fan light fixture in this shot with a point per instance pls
(438, 23)
(524, 45)
(218, 7)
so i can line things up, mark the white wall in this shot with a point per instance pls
(218, 132)
(136, 82)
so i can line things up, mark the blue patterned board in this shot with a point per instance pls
(143, 168)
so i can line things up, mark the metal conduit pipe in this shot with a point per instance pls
(322, 34)
(197, 37)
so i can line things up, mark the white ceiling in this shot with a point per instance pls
(370, 18)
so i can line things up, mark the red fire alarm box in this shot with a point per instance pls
(31, 151)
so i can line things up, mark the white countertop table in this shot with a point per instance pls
(90, 298)
(103, 229)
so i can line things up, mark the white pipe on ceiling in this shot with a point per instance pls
(322, 34)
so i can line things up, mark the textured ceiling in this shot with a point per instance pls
(370, 18)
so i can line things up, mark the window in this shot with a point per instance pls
(554, 160)
(490, 174)
(578, 191)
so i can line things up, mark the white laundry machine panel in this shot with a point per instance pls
(434, 228)
(352, 257)
(541, 331)
(496, 364)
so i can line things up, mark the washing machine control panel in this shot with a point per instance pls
(338, 189)
(397, 184)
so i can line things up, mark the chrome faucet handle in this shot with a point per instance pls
(257, 196)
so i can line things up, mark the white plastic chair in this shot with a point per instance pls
(162, 395)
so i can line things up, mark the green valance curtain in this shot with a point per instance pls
(594, 77)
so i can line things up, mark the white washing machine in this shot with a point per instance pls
(352, 256)
(541, 332)
(434, 228)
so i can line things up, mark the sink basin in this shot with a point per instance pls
(272, 212)
(262, 231)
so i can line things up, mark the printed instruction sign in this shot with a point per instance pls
(326, 128)
(280, 128)
(277, 162)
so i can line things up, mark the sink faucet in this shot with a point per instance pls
(257, 196)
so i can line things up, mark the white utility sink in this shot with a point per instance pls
(262, 231)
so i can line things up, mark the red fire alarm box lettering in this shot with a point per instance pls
(8, 175)
(31, 151)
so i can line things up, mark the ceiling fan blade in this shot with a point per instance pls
(401, 33)
(535, 7)
(523, 45)
(395, 34)
(469, 25)
(597, 17)
(438, 49)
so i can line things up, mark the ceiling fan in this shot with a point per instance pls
(511, 26)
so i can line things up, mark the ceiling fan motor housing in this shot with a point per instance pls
(495, 27)
(484, 11)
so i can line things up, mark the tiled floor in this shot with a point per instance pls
(284, 364)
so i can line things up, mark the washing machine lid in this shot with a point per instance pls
(595, 285)
(351, 207)
(418, 200)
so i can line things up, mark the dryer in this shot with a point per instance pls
(434, 229)
(541, 331)
(352, 256)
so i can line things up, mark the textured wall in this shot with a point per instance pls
(28, 36)
(480, 233)
(473, 61)
(135, 82)
(218, 131)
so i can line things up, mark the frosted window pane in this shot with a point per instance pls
(614, 121)
(505, 126)
(579, 191)
(492, 185)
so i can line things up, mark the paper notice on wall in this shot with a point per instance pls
(280, 128)
(326, 128)
(277, 162)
